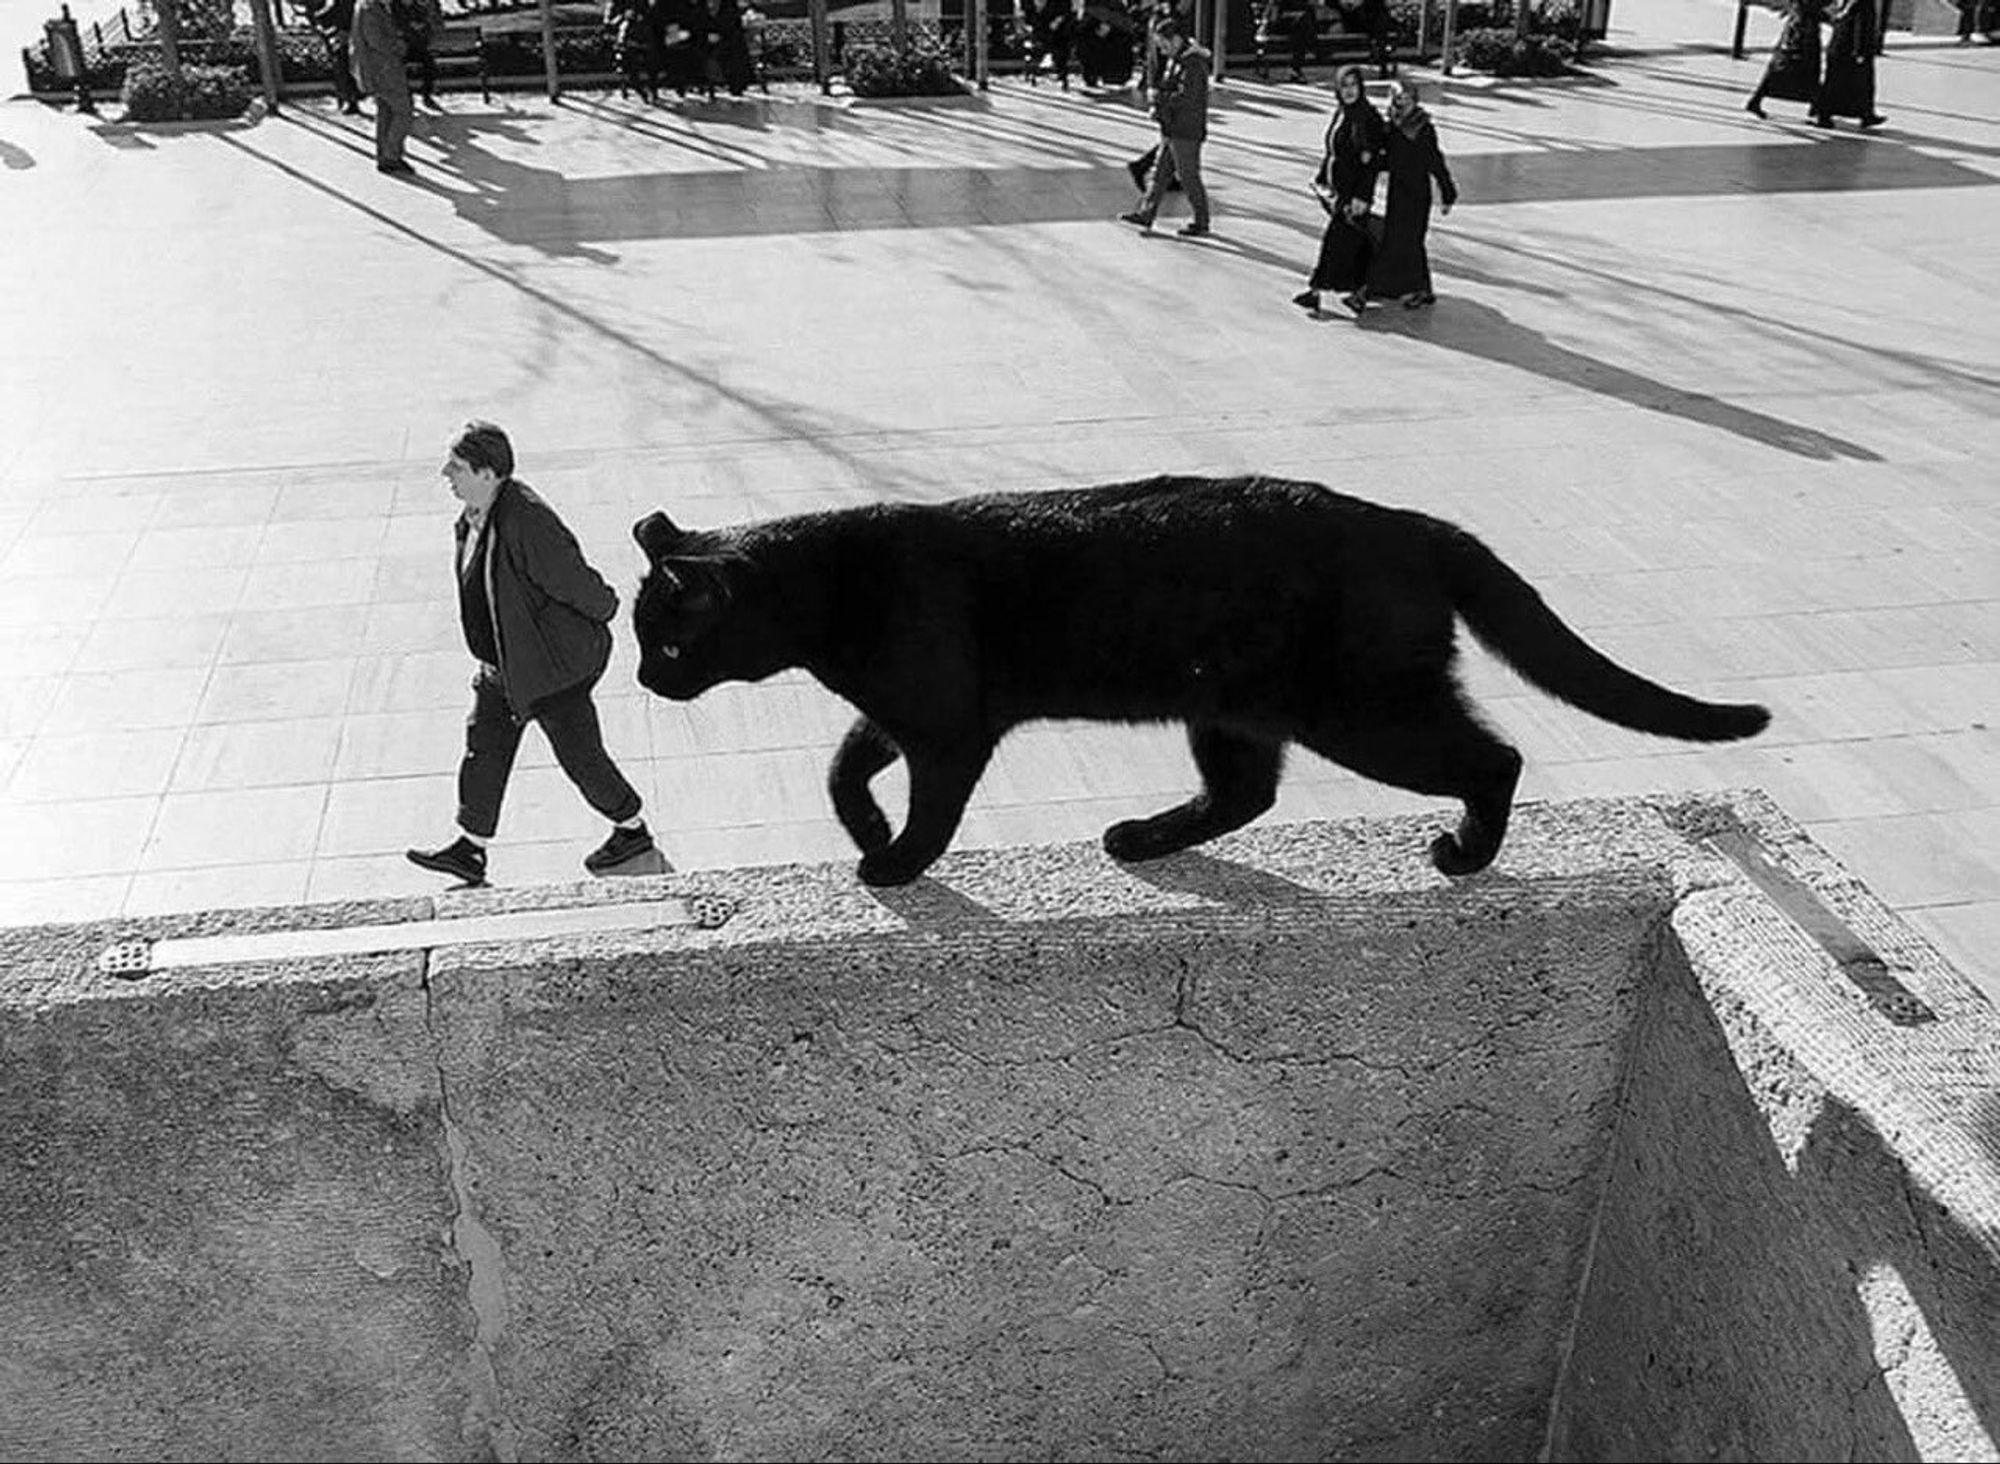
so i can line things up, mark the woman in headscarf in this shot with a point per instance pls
(1345, 187)
(1849, 87)
(1411, 158)
(1792, 73)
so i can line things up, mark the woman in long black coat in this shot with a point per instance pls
(1792, 73)
(1849, 87)
(1411, 158)
(1345, 186)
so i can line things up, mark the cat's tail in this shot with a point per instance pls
(1510, 619)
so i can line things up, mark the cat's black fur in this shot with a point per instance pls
(1258, 611)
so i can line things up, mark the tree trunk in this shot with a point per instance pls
(899, 24)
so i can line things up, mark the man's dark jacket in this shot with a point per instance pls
(551, 611)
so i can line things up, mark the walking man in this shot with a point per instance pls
(379, 55)
(1180, 105)
(537, 619)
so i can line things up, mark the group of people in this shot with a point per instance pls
(1363, 256)
(1845, 85)
(688, 45)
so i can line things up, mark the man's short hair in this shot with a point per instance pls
(1167, 27)
(483, 445)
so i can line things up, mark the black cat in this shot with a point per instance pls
(1259, 611)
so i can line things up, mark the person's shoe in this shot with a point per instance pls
(1822, 122)
(1357, 302)
(1754, 107)
(1307, 299)
(1873, 119)
(1417, 299)
(1193, 231)
(461, 859)
(1138, 172)
(352, 109)
(1135, 217)
(398, 167)
(623, 844)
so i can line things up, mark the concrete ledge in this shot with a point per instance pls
(1284, 1149)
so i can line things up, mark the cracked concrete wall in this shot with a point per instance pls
(1798, 1258)
(224, 1218)
(1300, 1179)
(1286, 1149)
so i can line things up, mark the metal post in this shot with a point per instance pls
(168, 14)
(267, 52)
(822, 64)
(1221, 39)
(981, 51)
(899, 24)
(1450, 18)
(549, 50)
(1742, 23)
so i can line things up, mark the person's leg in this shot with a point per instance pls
(492, 737)
(1186, 153)
(1156, 188)
(569, 720)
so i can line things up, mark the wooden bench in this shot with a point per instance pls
(461, 50)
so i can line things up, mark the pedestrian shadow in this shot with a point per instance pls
(1473, 328)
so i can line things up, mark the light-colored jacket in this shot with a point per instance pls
(378, 51)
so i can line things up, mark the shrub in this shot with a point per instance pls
(922, 69)
(152, 94)
(1499, 51)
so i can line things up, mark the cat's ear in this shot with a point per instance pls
(656, 534)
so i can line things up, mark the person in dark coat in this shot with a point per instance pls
(1345, 187)
(333, 19)
(537, 620)
(1180, 105)
(1411, 159)
(376, 55)
(1052, 29)
(1792, 73)
(1848, 89)
(721, 50)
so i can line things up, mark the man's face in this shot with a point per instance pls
(471, 486)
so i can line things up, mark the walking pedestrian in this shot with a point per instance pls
(422, 22)
(536, 619)
(1411, 158)
(1344, 183)
(1180, 105)
(334, 19)
(1848, 89)
(377, 61)
(1792, 73)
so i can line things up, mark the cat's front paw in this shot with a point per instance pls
(1138, 839)
(884, 869)
(1451, 858)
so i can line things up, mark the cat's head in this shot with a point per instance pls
(688, 638)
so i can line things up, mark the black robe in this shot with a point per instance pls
(1402, 265)
(1849, 88)
(1792, 73)
(1352, 160)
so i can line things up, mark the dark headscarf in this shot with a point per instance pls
(1362, 115)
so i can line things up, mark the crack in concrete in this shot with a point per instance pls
(479, 1255)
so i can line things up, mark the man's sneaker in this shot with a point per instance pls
(1193, 231)
(623, 844)
(1135, 217)
(461, 859)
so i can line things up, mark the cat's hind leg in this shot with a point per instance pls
(1239, 775)
(863, 752)
(1435, 745)
(941, 782)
